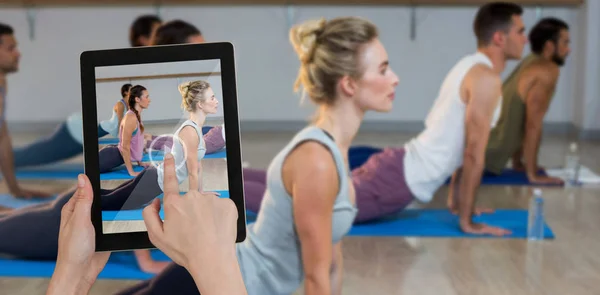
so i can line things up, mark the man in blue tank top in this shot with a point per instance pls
(9, 63)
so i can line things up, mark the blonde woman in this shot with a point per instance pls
(309, 203)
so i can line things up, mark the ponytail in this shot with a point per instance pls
(136, 91)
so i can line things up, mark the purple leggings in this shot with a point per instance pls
(213, 139)
(379, 184)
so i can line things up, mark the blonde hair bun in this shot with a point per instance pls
(184, 88)
(304, 38)
(328, 51)
(192, 92)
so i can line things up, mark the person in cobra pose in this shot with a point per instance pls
(454, 141)
(37, 225)
(309, 197)
(131, 135)
(9, 64)
(67, 140)
(527, 94)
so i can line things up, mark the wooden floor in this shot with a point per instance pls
(567, 265)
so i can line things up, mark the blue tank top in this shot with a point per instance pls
(270, 258)
(112, 125)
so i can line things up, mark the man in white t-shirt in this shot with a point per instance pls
(459, 124)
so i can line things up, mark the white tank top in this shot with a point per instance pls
(436, 153)
(180, 154)
(75, 127)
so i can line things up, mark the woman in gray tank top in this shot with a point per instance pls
(309, 205)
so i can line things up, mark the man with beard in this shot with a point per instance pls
(527, 94)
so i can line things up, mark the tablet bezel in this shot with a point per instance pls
(89, 60)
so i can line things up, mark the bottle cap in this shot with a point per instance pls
(537, 192)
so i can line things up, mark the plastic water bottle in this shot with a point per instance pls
(535, 226)
(572, 165)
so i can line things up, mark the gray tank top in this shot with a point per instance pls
(180, 155)
(270, 259)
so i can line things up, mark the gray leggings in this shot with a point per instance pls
(32, 232)
(58, 146)
(110, 157)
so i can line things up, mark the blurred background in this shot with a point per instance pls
(423, 43)
(424, 39)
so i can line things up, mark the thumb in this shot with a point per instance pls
(84, 197)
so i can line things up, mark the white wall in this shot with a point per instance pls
(587, 106)
(266, 63)
(164, 95)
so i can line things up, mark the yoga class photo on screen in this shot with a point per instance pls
(157, 109)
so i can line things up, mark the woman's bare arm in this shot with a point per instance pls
(129, 125)
(311, 176)
(190, 141)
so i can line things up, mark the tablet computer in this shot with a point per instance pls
(141, 103)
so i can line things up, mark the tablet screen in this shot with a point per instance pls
(145, 111)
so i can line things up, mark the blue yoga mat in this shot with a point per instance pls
(358, 155)
(120, 266)
(108, 140)
(6, 200)
(439, 223)
(507, 177)
(130, 215)
(408, 223)
(70, 171)
(160, 155)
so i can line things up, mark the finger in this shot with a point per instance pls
(495, 231)
(500, 232)
(153, 222)
(170, 183)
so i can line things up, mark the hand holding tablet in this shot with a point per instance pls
(198, 232)
(78, 264)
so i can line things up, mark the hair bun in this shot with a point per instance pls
(184, 87)
(304, 38)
